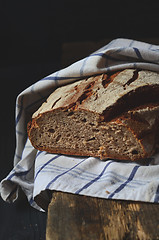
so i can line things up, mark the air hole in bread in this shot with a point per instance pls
(84, 120)
(58, 138)
(70, 113)
(95, 130)
(51, 130)
(91, 139)
(134, 152)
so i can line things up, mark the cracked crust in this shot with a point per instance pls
(107, 116)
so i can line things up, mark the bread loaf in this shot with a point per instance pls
(107, 116)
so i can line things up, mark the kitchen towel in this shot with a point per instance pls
(35, 172)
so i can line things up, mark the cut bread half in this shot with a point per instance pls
(105, 116)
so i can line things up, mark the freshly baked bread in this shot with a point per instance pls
(107, 116)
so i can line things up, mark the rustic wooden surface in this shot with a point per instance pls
(80, 218)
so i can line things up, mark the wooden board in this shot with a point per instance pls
(81, 217)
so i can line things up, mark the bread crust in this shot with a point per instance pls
(139, 118)
(106, 94)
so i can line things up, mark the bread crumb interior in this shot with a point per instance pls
(76, 132)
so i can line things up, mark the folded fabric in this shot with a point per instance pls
(35, 171)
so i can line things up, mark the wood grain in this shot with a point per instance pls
(81, 217)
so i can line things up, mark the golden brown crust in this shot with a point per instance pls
(139, 120)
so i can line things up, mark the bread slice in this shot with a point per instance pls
(106, 116)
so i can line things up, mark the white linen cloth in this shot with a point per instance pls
(35, 171)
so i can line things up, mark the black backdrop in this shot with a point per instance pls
(31, 36)
(32, 31)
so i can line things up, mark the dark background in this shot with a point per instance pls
(32, 34)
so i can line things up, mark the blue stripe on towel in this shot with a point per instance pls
(70, 169)
(20, 111)
(94, 180)
(137, 53)
(18, 174)
(156, 200)
(38, 153)
(43, 166)
(31, 200)
(59, 78)
(83, 65)
(106, 56)
(130, 178)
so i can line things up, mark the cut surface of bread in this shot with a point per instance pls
(131, 137)
(106, 116)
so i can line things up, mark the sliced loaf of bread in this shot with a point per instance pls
(107, 116)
